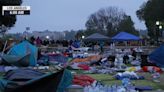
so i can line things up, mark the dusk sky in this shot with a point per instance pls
(60, 15)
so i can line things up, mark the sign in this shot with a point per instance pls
(15, 10)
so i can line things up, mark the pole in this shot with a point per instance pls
(4, 47)
(157, 34)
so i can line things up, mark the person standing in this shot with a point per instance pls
(101, 44)
(38, 41)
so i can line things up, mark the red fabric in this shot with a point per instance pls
(84, 67)
(147, 69)
(65, 54)
(83, 80)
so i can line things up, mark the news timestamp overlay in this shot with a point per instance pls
(15, 10)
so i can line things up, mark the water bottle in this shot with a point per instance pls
(90, 89)
(109, 89)
(97, 89)
(86, 89)
(125, 82)
(101, 89)
(105, 88)
(156, 76)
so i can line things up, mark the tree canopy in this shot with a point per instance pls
(8, 21)
(110, 21)
(150, 12)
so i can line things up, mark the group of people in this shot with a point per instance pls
(38, 41)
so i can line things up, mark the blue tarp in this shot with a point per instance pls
(123, 36)
(157, 56)
(23, 48)
(76, 44)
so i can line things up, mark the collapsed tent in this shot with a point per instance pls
(123, 36)
(29, 80)
(23, 49)
(22, 60)
(157, 56)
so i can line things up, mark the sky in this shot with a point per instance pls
(61, 15)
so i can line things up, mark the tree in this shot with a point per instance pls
(150, 12)
(127, 25)
(110, 21)
(79, 34)
(89, 32)
(8, 21)
(70, 35)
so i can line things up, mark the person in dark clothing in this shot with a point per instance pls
(134, 53)
(32, 39)
(39, 54)
(101, 44)
(125, 59)
(93, 46)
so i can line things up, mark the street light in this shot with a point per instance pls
(160, 27)
(47, 37)
(157, 23)
(83, 37)
(158, 30)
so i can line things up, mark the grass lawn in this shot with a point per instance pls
(109, 80)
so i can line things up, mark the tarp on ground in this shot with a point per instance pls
(97, 37)
(58, 58)
(157, 56)
(28, 80)
(124, 36)
(24, 48)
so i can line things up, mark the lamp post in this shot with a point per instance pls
(157, 23)
(160, 27)
(83, 37)
(158, 31)
(47, 37)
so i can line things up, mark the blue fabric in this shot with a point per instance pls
(66, 81)
(58, 58)
(157, 56)
(76, 44)
(24, 74)
(123, 36)
(144, 88)
(131, 77)
(3, 84)
(23, 48)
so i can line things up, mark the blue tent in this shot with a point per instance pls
(157, 56)
(25, 48)
(123, 36)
